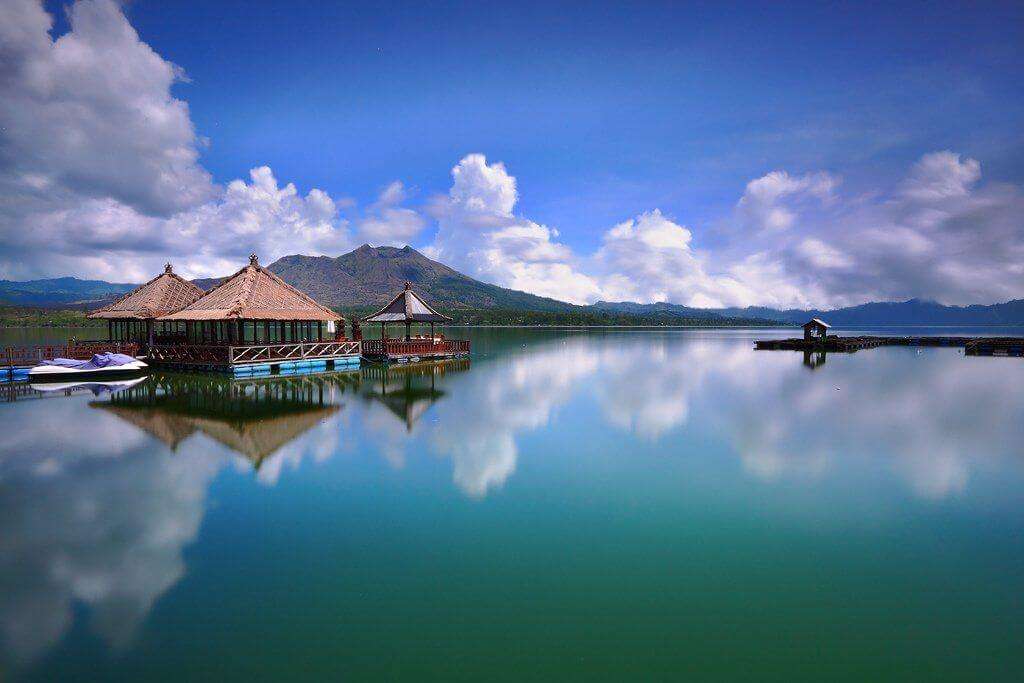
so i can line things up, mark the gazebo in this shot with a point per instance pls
(255, 317)
(132, 317)
(408, 308)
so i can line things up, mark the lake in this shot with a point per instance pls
(597, 504)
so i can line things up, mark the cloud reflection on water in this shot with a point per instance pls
(98, 521)
(103, 521)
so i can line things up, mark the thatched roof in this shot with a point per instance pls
(407, 307)
(254, 293)
(166, 293)
(816, 322)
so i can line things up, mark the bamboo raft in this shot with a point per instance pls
(972, 346)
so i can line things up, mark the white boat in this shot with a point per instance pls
(95, 387)
(102, 365)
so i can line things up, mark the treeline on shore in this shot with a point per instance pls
(17, 316)
(578, 318)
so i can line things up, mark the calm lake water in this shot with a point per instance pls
(618, 505)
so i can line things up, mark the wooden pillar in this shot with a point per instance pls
(408, 330)
(110, 330)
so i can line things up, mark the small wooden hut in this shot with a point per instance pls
(409, 308)
(254, 318)
(132, 317)
(816, 330)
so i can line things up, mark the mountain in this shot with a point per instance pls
(60, 291)
(371, 276)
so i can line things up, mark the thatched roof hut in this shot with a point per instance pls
(166, 293)
(407, 307)
(254, 293)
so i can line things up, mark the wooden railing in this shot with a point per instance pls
(78, 350)
(413, 347)
(223, 354)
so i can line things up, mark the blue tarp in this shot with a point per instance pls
(100, 360)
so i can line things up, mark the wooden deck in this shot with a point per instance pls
(235, 357)
(400, 350)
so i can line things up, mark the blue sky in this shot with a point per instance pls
(601, 110)
(601, 114)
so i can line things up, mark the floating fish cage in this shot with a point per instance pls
(296, 367)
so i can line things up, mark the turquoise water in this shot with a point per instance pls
(613, 505)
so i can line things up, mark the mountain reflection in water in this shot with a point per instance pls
(101, 495)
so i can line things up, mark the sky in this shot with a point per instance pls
(708, 154)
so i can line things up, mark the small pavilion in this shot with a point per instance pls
(407, 308)
(816, 330)
(132, 317)
(254, 306)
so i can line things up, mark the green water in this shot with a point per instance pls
(596, 505)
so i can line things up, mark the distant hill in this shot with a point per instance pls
(60, 291)
(910, 312)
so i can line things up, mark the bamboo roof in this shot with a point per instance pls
(254, 293)
(407, 307)
(166, 293)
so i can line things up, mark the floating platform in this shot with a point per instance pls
(972, 346)
(413, 350)
(257, 359)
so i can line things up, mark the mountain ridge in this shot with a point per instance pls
(368, 277)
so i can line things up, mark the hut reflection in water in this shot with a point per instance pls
(254, 418)
(407, 391)
(257, 417)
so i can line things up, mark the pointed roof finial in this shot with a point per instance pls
(167, 268)
(408, 286)
(253, 260)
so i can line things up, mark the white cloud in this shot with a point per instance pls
(769, 201)
(941, 175)
(100, 172)
(92, 114)
(386, 223)
(479, 234)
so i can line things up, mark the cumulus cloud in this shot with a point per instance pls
(791, 241)
(388, 223)
(91, 113)
(479, 234)
(100, 169)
